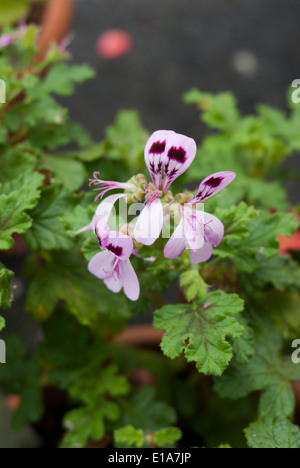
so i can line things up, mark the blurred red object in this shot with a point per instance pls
(288, 244)
(13, 402)
(114, 44)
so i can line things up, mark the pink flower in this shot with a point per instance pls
(167, 156)
(114, 267)
(198, 230)
(10, 38)
(99, 223)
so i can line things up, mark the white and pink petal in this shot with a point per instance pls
(214, 229)
(177, 243)
(201, 255)
(129, 280)
(102, 265)
(167, 156)
(113, 283)
(149, 224)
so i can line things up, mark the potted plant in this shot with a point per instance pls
(53, 16)
(218, 368)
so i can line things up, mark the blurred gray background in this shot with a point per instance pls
(247, 46)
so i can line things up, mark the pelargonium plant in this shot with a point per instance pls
(167, 156)
(201, 349)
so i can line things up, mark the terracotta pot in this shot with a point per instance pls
(291, 243)
(55, 24)
(140, 336)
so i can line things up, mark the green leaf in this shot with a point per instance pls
(267, 372)
(273, 433)
(66, 171)
(236, 220)
(60, 80)
(17, 160)
(125, 140)
(5, 288)
(129, 436)
(21, 375)
(281, 272)
(201, 329)
(193, 284)
(89, 422)
(78, 218)
(142, 410)
(86, 424)
(219, 111)
(67, 278)
(243, 347)
(90, 248)
(262, 240)
(18, 196)
(284, 310)
(47, 232)
(167, 437)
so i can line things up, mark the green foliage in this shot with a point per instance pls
(17, 197)
(47, 232)
(273, 433)
(200, 330)
(13, 10)
(64, 276)
(21, 376)
(130, 437)
(88, 422)
(267, 371)
(5, 287)
(232, 317)
(244, 249)
(147, 413)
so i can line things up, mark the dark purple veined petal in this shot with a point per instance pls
(212, 185)
(167, 156)
(150, 223)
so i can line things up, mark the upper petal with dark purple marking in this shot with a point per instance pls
(168, 155)
(212, 185)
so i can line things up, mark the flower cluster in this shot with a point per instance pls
(10, 38)
(167, 156)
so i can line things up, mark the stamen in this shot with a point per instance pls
(106, 186)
